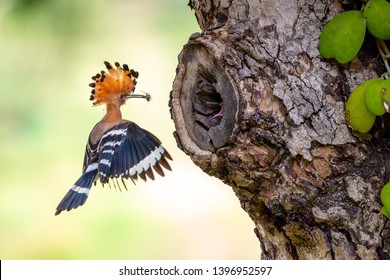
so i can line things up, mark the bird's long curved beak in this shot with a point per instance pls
(146, 95)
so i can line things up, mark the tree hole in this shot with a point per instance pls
(208, 99)
(207, 103)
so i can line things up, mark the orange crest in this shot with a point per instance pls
(113, 86)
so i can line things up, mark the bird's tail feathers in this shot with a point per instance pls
(78, 193)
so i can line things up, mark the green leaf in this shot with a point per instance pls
(357, 114)
(342, 37)
(385, 199)
(377, 14)
(386, 95)
(375, 94)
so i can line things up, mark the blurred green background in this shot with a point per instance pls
(49, 49)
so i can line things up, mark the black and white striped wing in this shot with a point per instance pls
(90, 155)
(128, 151)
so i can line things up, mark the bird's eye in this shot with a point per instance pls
(121, 97)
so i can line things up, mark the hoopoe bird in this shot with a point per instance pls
(116, 148)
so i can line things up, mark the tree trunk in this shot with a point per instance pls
(255, 105)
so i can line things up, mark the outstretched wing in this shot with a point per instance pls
(128, 151)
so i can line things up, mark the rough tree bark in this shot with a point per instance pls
(255, 105)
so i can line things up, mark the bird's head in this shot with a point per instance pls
(115, 86)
